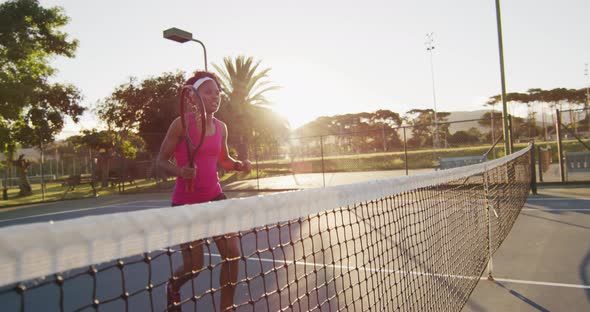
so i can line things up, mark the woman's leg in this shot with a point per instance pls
(229, 249)
(192, 261)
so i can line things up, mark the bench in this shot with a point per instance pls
(577, 162)
(454, 162)
(72, 181)
(117, 181)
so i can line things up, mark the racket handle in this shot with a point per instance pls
(188, 186)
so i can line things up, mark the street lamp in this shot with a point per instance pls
(182, 36)
(506, 126)
(429, 47)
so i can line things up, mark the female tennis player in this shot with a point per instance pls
(197, 181)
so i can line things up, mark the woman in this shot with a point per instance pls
(203, 88)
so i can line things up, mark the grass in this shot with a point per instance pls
(426, 158)
(417, 159)
(373, 161)
(55, 191)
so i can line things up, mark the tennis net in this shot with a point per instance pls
(418, 243)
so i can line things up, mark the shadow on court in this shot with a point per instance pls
(544, 263)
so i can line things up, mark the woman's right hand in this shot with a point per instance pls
(187, 172)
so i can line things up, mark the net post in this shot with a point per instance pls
(405, 151)
(533, 171)
(510, 123)
(489, 217)
(322, 153)
(559, 144)
(540, 163)
(256, 146)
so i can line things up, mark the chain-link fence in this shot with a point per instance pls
(344, 157)
(51, 169)
(324, 160)
(566, 158)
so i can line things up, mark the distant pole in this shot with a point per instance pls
(430, 47)
(506, 126)
(493, 129)
(544, 126)
(587, 105)
(383, 136)
(405, 151)
(533, 172)
(41, 169)
(322, 153)
(559, 145)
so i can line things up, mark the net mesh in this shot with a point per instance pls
(404, 244)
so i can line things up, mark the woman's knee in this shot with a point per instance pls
(228, 246)
(192, 254)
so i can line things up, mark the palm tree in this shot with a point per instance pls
(245, 86)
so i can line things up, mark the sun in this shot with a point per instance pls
(297, 116)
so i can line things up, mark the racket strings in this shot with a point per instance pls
(192, 111)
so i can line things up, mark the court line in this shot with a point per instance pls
(556, 209)
(506, 280)
(123, 205)
(556, 199)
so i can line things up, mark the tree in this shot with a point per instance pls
(358, 132)
(9, 152)
(536, 97)
(388, 121)
(23, 166)
(515, 98)
(555, 98)
(462, 137)
(32, 110)
(245, 87)
(147, 107)
(424, 126)
(100, 143)
(160, 108)
(493, 121)
(269, 130)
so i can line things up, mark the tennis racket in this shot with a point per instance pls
(188, 112)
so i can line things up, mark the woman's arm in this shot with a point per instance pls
(225, 160)
(173, 137)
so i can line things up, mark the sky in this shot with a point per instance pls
(334, 57)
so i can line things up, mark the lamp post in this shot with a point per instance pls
(587, 84)
(587, 98)
(506, 126)
(430, 47)
(182, 36)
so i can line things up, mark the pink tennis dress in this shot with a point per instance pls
(206, 184)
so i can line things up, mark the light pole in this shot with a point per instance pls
(429, 47)
(587, 98)
(182, 36)
(506, 126)
(587, 85)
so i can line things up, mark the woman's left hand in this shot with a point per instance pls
(244, 166)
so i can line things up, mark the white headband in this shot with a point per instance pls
(200, 81)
